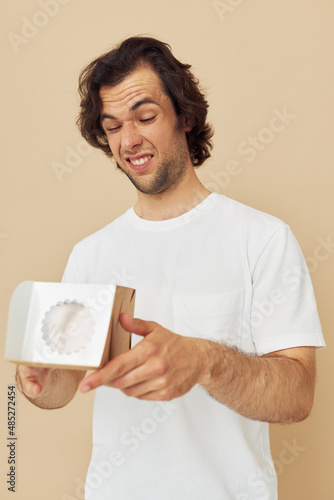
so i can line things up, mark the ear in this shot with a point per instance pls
(188, 122)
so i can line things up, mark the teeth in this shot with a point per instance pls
(141, 161)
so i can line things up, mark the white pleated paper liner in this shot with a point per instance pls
(68, 327)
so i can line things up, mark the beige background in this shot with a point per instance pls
(252, 57)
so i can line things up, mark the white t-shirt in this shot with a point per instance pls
(221, 271)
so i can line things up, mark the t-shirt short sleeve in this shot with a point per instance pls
(284, 312)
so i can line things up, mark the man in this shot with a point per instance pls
(226, 322)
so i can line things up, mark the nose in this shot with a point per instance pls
(130, 137)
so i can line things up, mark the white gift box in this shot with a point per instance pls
(67, 325)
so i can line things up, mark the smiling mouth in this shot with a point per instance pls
(139, 163)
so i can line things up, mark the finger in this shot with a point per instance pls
(135, 325)
(32, 389)
(156, 396)
(31, 379)
(149, 372)
(123, 363)
(30, 385)
(113, 370)
(144, 388)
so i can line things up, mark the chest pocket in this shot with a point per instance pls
(215, 317)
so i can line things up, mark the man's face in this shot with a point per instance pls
(143, 132)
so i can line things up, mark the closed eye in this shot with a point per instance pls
(147, 119)
(112, 129)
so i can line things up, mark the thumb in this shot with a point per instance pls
(135, 325)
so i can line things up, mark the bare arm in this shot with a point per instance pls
(48, 388)
(278, 387)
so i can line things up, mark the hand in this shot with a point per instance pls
(162, 366)
(33, 379)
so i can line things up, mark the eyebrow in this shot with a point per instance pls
(146, 100)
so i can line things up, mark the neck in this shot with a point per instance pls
(173, 202)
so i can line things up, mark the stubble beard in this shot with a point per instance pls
(169, 172)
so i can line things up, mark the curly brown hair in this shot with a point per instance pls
(177, 82)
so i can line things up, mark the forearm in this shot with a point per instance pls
(165, 365)
(58, 388)
(274, 388)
